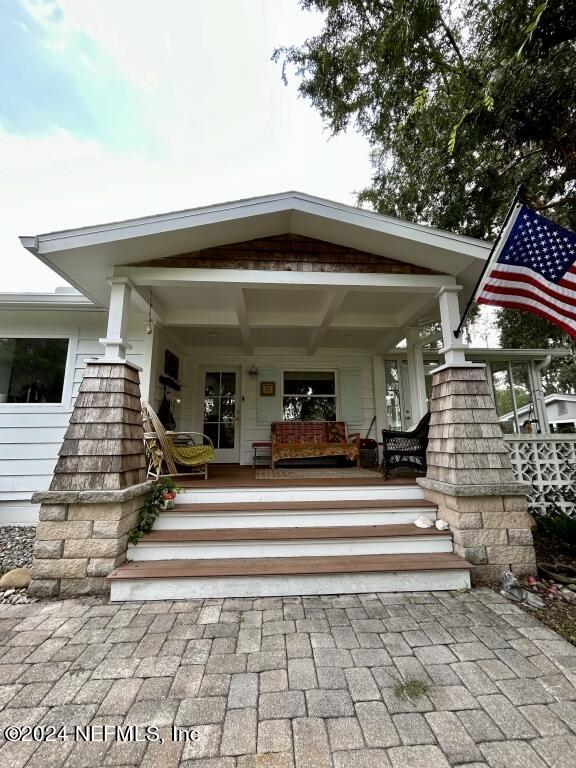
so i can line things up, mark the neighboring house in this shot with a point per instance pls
(301, 293)
(560, 414)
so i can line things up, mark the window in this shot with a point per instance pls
(309, 396)
(513, 397)
(32, 370)
(393, 399)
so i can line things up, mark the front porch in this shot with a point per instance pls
(267, 311)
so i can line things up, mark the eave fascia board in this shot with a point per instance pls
(290, 202)
(46, 301)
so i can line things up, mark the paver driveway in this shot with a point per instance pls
(304, 682)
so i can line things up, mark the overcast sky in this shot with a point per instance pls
(111, 109)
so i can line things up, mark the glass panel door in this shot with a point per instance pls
(221, 413)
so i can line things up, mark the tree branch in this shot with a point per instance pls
(451, 39)
(566, 200)
(517, 160)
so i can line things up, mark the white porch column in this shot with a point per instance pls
(379, 395)
(115, 343)
(453, 348)
(415, 358)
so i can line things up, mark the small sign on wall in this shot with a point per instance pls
(267, 389)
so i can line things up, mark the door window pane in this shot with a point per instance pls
(32, 370)
(226, 436)
(228, 384)
(212, 385)
(220, 407)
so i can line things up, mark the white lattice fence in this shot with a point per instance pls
(547, 462)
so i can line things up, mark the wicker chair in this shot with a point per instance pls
(174, 453)
(405, 449)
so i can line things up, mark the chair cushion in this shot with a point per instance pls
(192, 455)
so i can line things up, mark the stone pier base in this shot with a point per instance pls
(81, 537)
(493, 532)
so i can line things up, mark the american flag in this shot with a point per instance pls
(534, 269)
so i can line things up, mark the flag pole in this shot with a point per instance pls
(519, 197)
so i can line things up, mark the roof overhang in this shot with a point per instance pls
(85, 257)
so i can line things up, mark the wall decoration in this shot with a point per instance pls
(171, 365)
(267, 388)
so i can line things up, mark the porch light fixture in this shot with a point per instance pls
(252, 371)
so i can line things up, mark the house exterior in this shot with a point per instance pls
(242, 314)
(560, 414)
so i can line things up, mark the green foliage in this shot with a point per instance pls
(568, 631)
(520, 330)
(557, 520)
(461, 102)
(152, 507)
(411, 690)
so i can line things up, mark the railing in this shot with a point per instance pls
(547, 462)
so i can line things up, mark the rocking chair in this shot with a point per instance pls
(405, 449)
(174, 453)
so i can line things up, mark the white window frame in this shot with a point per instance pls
(317, 369)
(65, 405)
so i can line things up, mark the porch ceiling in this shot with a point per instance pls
(296, 317)
(87, 256)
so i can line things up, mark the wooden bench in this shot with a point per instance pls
(312, 440)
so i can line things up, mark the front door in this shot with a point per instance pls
(221, 412)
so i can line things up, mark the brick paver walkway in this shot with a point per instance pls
(283, 682)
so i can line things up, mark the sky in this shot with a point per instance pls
(112, 109)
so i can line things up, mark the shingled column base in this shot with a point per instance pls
(470, 476)
(81, 537)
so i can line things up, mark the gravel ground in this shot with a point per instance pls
(16, 543)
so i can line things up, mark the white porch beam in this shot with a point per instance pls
(331, 305)
(255, 278)
(142, 299)
(239, 301)
(115, 344)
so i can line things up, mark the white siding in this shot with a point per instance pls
(31, 435)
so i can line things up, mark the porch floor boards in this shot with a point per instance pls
(284, 566)
(242, 476)
(274, 534)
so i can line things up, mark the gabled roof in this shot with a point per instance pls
(87, 255)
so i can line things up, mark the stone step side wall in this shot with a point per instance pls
(80, 542)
